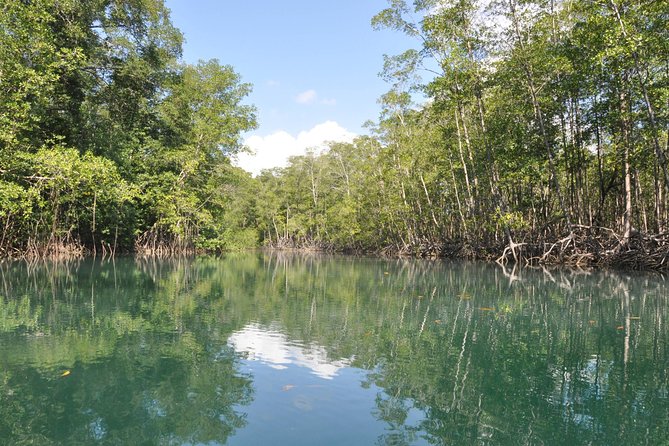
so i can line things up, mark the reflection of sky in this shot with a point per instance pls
(273, 348)
(574, 392)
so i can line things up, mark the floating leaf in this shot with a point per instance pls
(386, 273)
(65, 373)
(287, 387)
(486, 309)
(438, 321)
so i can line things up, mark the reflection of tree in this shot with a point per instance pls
(141, 371)
(547, 365)
(462, 353)
(136, 398)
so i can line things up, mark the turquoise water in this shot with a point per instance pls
(256, 349)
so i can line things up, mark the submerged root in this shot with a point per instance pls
(587, 246)
(53, 248)
(510, 249)
(159, 242)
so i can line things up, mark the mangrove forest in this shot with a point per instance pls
(531, 131)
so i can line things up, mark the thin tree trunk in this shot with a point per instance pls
(625, 141)
(457, 198)
(539, 114)
(659, 153)
(465, 170)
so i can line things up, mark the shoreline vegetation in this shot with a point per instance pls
(529, 132)
(586, 247)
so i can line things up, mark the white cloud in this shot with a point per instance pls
(274, 150)
(306, 97)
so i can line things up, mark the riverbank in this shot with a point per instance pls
(584, 247)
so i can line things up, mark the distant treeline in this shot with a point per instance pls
(544, 137)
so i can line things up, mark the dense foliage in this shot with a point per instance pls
(107, 141)
(544, 118)
(545, 121)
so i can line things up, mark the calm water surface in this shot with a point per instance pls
(264, 349)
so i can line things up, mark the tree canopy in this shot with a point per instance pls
(107, 140)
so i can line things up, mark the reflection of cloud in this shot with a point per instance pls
(273, 348)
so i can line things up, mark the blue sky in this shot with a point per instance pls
(313, 64)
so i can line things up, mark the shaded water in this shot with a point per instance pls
(279, 349)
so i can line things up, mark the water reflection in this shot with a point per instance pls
(273, 348)
(387, 352)
(86, 358)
